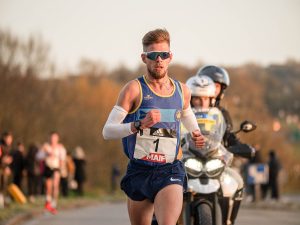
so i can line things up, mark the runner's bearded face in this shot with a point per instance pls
(157, 59)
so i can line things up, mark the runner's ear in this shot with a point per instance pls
(143, 56)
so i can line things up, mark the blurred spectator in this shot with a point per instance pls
(18, 164)
(274, 168)
(33, 172)
(5, 161)
(55, 156)
(253, 190)
(40, 159)
(67, 174)
(70, 168)
(115, 174)
(79, 161)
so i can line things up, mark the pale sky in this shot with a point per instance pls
(229, 32)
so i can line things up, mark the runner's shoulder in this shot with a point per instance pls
(131, 90)
(132, 86)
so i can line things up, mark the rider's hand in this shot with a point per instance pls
(152, 117)
(198, 139)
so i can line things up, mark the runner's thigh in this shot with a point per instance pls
(140, 212)
(168, 204)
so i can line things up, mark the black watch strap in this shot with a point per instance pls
(137, 124)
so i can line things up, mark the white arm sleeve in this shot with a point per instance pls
(189, 120)
(114, 128)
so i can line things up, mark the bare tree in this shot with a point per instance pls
(23, 57)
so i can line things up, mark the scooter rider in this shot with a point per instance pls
(210, 119)
(202, 103)
(221, 79)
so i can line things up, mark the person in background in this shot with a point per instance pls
(5, 161)
(33, 171)
(70, 168)
(55, 156)
(40, 159)
(254, 191)
(80, 175)
(115, 174)
(274, 169)
(18, 164)
(64, 173)
(67, 174)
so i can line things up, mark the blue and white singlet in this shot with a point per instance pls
(158, 144)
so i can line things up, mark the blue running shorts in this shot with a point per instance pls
(144, 182)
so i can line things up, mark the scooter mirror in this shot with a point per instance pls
(247, 126)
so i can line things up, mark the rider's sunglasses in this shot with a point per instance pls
(153, 55)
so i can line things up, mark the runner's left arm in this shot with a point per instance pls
(189, 120)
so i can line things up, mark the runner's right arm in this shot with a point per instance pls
(128, 100)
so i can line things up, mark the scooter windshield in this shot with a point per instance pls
(212, 126)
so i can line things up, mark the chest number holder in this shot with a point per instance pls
(156, 145)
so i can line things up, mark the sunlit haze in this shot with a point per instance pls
(227, 32)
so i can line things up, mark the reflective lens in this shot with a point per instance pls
(153, 55)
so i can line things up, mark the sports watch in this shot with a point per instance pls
(137, 124)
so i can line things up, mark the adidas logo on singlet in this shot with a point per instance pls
(158, 132)
(148, 97)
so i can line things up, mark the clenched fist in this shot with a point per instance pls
(152, 117)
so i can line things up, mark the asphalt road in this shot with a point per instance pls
(116, 214)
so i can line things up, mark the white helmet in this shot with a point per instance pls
(201, 86)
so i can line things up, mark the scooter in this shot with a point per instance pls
(212, 189)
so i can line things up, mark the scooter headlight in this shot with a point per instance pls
(193, 166)
(214, 167)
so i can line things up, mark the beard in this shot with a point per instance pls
(156, 74)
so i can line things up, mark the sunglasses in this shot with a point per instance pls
(153, 55)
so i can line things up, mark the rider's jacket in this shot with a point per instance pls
(230, 140)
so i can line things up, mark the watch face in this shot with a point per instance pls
(137, 124)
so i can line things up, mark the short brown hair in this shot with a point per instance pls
(156, 36)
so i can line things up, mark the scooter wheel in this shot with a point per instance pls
(204, 215)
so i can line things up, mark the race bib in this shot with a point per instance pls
(156, 145)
